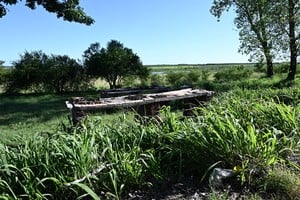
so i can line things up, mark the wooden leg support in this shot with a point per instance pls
(77, 115)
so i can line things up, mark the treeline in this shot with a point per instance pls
(38, 72)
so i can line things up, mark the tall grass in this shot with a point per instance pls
(246, 130)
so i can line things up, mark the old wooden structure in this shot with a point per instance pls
(131, 91)
(144, 104)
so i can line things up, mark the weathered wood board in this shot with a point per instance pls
(78, 105)
(136, 100)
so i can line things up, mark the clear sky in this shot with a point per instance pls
(159, 31)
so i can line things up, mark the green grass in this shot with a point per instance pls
(218, 77)
(196, 66)
(284, 182)
(211, 68)
(253, 127)
(27, 114)
(254, 130)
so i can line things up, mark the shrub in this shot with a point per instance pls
(193, 76)
(205, 74)
(281, 68)
(39, 72)
(190, 78)
(176, 78)
(63, 73)
(157, 80)
(233, 74)
(4, 74)
(283, 182)
(260, 66)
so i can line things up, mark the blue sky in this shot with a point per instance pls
(159, 31)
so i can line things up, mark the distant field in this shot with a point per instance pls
(180, 67)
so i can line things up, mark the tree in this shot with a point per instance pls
(288, 20)
(62, 73)
(2, 72)
(27, 72)
(68, 9)
(282, 25)
(93, 49)
(1, 63)
(113, 63)
(256, 29)
(38, 72)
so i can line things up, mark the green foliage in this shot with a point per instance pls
(27, 72)
(247, 130)
(68, 10)
(190, 78)
(64, 74)
(38, 72)
(282, 68)
(205, 74)
(4, 73)
(255, 23)
(113, 63)
(176, 78)
(233, 74)
(1, 75)
(283, 182)
(157, 80)
(267, 29)
(259, 66)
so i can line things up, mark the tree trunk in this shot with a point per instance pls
(293, 44)
(110, 85)
(115, 84)
(270, 71)
(293, 65)
(269, 58)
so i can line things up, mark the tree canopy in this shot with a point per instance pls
(267, 28)
(113, 63)
(69, 10)
(38, 72)
(256, 28)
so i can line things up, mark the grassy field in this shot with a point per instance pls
(251, 127)
(28, 114)
(162, 68)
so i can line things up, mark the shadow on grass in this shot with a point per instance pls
(285, 83)
(31, 108)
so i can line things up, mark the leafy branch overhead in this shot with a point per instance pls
(68, 10)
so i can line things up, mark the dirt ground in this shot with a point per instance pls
(186, 189)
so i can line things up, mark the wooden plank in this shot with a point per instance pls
(132, 100)
(129, 91)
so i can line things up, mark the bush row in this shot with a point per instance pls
(38, 72)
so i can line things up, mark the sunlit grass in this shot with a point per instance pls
(108, 156)
(254, 127)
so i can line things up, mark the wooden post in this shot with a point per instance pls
(77, 115)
